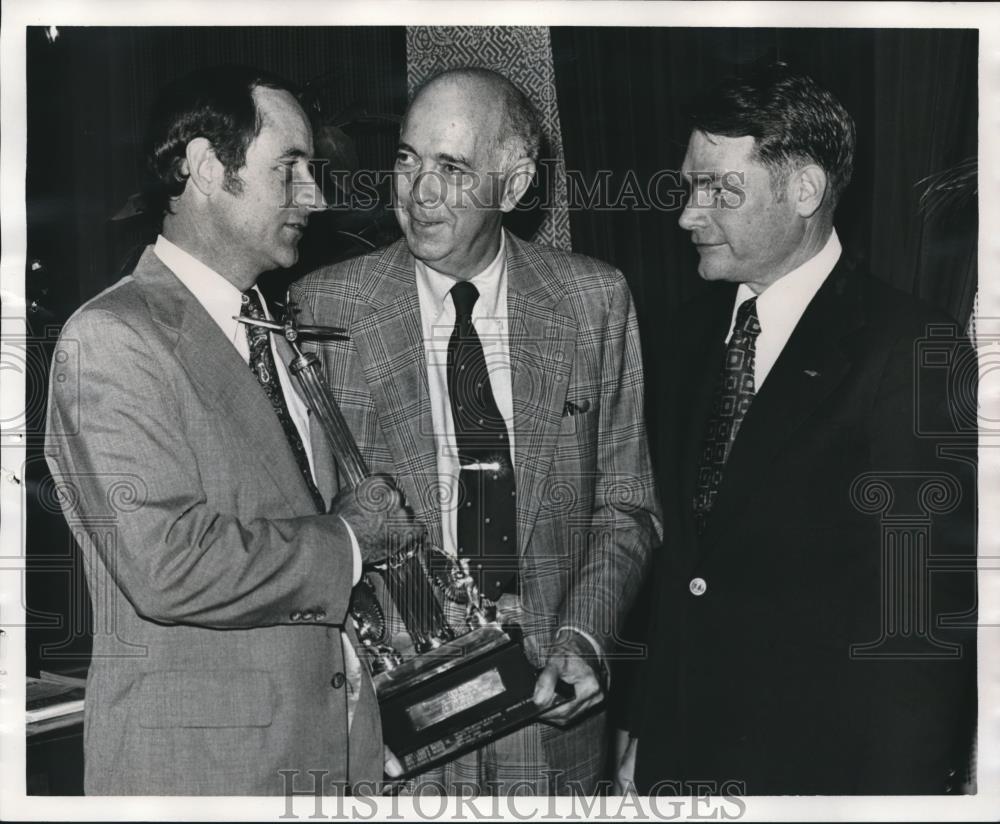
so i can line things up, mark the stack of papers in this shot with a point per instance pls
(52, 696)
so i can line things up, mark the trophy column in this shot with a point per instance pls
(405, 573)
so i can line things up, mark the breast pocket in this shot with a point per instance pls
(577, 416)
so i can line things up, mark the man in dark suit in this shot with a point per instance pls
(568, 513)
(219, 572)
(800, 641)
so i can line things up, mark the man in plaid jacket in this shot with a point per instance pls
(561, 347)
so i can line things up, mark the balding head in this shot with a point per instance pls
(508, 121)
(466, 156)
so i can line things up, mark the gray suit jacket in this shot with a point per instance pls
(219, 592)
(587, 513)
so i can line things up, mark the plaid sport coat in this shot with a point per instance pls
(587, 513)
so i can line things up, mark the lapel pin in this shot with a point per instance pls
(812, 373)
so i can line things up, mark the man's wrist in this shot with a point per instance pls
(586, 647)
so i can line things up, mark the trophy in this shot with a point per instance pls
(451, 688)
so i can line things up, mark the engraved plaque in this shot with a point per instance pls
(456, 700)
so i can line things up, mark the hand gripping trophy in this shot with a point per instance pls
(456, 687)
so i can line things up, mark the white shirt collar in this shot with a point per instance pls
(780, 306)
(435, 288)
(217, 295)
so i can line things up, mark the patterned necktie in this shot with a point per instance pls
(734, 393)
(487, 533)
(262, 364)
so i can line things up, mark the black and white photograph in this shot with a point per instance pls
(556, 410)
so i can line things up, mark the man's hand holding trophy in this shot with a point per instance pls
(443, 687)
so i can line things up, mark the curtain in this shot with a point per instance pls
(925, 92)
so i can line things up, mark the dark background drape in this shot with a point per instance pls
(620, 93)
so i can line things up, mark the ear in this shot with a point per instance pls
(204, 169)
(516, 183)
(809, 189)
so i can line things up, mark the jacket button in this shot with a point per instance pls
(320, 615)
(295, 616)
(697, 586)
(338, 680)
(307, 616)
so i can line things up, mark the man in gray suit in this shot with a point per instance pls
(198, 490)
(493, 376)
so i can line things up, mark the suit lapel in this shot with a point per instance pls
(223, 380)
(812, 365)
(389, 342)
(542, 350)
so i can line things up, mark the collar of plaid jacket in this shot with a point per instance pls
(529, 275)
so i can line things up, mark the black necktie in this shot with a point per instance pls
(487, 533)
(734, 393)
(262, 364)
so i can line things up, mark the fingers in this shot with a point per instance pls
(563, 714)
(625, 772)
(378, 516)
(393, 768)
(545, 686)
(572, 669)
(622, 740)
(588, 694)
(386, 500)
(378, 493)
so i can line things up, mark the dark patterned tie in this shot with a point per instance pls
(734, 393)
(487, 533)
(262, 364)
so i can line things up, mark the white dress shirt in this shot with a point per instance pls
(781, 305)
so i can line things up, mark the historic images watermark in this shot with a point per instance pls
(665, 190)
(309, 794)
(908, 503)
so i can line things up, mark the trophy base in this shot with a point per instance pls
(456, 698)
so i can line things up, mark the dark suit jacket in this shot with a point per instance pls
(219, 592)
(818, 658)
(587, 513)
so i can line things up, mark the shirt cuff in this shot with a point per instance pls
(356, 547)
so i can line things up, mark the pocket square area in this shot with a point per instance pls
(576, 408)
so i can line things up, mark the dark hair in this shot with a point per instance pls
(520, 133)
(790, 117)
(215, 103)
